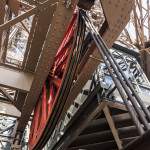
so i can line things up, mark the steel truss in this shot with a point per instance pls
(41, 54)
(108, 80)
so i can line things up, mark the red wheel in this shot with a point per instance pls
(51, 87)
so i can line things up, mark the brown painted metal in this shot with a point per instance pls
(53, 40)
(18, 19)
(7, 109)
(117, 18)
(88, 120)
(16, 79)
(142, 143)
(5, 93)
(2, 15)
(145, 58)
(30, 38)
(40, 31)
(8, 16)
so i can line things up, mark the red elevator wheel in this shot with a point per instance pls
(50, 90)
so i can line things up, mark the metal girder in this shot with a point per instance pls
(86, 4)
(18, 19)
(23, 16)
(88, 114)
(145, 56)
(9, 110)
(26, 5)
(5, 93)
(40, 31)
(142, 143)
(54, 37)
(6, 37)
(14, 6)
(15, 79)
(20, 100)
(2, 15)
(117, 20)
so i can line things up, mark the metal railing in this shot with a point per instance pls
(138, 112)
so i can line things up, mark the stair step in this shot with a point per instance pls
(96, 126)
(102, 136)
(125, 132)
(107, 145)
(101, 124)
(93, 138)
(141, 143)
(128, 140)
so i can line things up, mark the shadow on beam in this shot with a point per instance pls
(141, 143)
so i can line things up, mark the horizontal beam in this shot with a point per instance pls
(4, 92)
(25, 15)
(28, 6)
(14, 79)
(9, 110)
(18, 19)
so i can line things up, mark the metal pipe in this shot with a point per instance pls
(141, 103)
(123, 95)
(104, 48)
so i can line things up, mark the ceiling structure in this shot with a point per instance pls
(136, 35)
(20, 26)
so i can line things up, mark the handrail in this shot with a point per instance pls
(123, 85)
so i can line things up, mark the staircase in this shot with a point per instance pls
(102, 124)
(111, 130)
(99, 124)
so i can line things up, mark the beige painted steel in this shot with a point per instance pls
(15, 79)
(25, 15)
(18, 19)
(10, 110)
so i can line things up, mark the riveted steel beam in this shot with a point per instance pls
(44, 20)
(9, 110)
(54, 37)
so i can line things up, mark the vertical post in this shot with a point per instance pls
(6, 40)
(2, 15)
